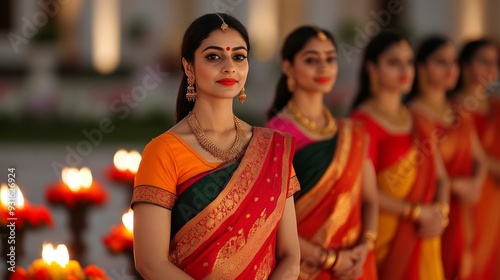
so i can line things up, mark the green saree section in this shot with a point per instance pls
(311, 162)
(199, 195)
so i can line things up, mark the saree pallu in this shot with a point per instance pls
(455, 147)
(400, 253)
(487, 225)
(224, 221)
(329, 206)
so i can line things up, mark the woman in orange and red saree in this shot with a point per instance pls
(479, 71)
(337, 207)
(455, 135)
(213, 195)
(411, 180)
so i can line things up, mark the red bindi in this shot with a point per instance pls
(228, 48)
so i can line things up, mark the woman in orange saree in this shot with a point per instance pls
(213, 195)
(412, 185)
(337, 207)
(458, 145)
(479, 70)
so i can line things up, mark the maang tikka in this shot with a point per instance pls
(191, 93)
(224, 25)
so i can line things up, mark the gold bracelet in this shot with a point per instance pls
(444, 208)
(415, 214)
(336, 264)
(323, 257)
(330, 260)
(369, 237)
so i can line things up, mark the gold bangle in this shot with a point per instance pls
(370, 235)
(330, 260)
(323, 257)
(444, 208)
(336, 264)
(415, 214)
(369, 244)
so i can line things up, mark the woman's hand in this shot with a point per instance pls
(356, 270)
(430, 222)
(348, 258)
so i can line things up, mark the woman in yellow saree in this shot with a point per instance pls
(457, 142)
(412, 186)
(213, 195)
(337, 206)
(479, 71)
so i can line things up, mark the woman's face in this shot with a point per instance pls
(440, 70)
(315, 67)
(483, 68)
(220, 66)
(394, 70)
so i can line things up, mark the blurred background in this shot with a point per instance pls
(80, 79)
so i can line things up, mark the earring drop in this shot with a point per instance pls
(242, 96)
(191, 93)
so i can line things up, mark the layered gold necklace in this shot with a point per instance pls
(209, 146)
(329, 129)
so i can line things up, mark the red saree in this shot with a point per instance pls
(455, 147)
(487, 225)
(405, 170)
(232, 236)
(329, 207)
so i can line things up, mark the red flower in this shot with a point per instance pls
(120, 176)
(19, 274)
(59, 193)
(95, 273)
(118, 240)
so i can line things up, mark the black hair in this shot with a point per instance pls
(428, 47)
(466, 56)
(294, 43)
(377, 46)
(198, 31)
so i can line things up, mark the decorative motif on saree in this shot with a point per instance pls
(155, 195)
(239, 226)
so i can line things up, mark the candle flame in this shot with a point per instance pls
(59, 255)
(5, 196)
(48, 253)
(85, 178)
(120, 160)
(128, 220)
(71, 177)
(133, 161)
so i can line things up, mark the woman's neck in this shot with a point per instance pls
(215, 115)
(309, 104)
(475, 90)
(434, 97)
(388, 102)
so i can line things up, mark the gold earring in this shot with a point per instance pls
(191, 93)
(242, 96)
(291, 85)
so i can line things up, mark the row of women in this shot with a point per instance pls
(407, 187)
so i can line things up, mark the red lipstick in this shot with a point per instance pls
(404, 79)
(322, 80)
(227, 81)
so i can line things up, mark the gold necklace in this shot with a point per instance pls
(329, 129)
(401, 118)
(209, 146)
